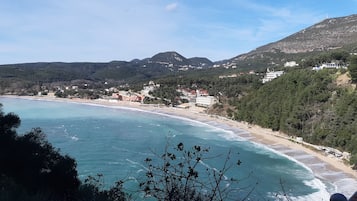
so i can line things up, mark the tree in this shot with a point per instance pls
(8, 124)
(32, 169)
(176, 175)
(92, 189)
(32, 162)
(353, 69)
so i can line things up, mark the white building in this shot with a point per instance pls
(331, 65)
(291, 64)
(205, 101)
(150, 87)
(269, 76)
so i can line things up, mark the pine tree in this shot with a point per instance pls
(353, 69)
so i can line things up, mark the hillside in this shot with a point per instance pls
(159, 65)
(330, 34)
(318, 106)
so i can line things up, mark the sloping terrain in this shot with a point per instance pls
(330, 34)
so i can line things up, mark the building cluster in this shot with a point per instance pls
(332, 65)
(199, 97)
(271, 74)
(194, 97)
(234, 75)
(128, 96)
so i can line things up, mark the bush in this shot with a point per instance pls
(176, 175)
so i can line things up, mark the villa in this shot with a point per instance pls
(332, 65)
(270, 75)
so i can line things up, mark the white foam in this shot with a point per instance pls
(346, 186)
(136, 164)
(74, 138)
(231, 136)
(322, 194)
(113, 163)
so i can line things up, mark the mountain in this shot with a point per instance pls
(176, 61)
(201, 62)
(159, 65)
(173, 58)
(330, 34)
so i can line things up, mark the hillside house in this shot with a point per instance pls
(202, 92)
(188, 92)
(203, 98)
(205, 101)
(332, 65)
(150, 87)
(291, 64)
(270, 75)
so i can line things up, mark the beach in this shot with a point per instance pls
(323, 166)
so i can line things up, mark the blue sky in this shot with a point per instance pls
(106, 30)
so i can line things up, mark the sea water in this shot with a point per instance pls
(115, 141)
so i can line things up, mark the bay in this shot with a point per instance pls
(115, 141)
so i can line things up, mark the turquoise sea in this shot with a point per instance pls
(115, 141)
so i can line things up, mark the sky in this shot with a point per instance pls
(107, 30)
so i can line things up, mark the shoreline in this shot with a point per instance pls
(333, 168)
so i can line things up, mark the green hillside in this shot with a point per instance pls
(307, 104)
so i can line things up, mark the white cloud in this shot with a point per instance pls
(171, 7)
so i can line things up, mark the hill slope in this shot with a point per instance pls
(308, 104)
(159, 65)
(330, 34)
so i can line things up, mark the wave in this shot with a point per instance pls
(137, 164)
(232, 134)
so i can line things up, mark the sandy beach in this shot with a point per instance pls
(324, 167)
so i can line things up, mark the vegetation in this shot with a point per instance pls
(176, 176)
(168, 95)
(353, 69)
(229, 88)
(307, 104)
(32, 169)
(340, 56)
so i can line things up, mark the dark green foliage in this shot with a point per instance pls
(58, 71)
(340, 56)
(353, 69)
(307, 104)
(32, 169)
(93, 190)
(284, 103)
(209, 80)
(32, 163)
(229, 88)
(167, 94)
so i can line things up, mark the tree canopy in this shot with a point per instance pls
(308, 104)
(32, 169)
(353, 69)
